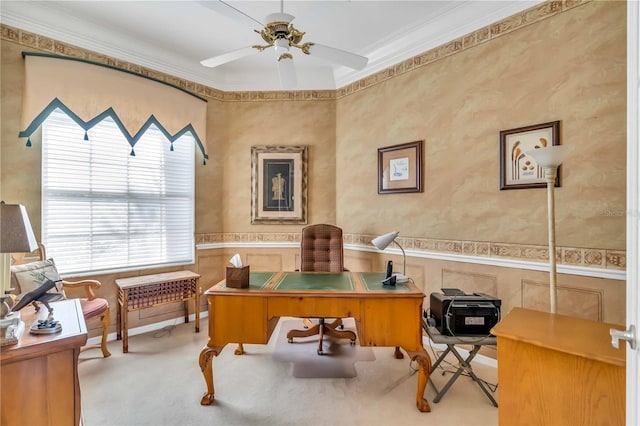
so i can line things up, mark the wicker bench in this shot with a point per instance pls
(146, 291)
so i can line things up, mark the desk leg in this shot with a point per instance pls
(397, 354)
(206, 365)
(118, 320)
(197, 306)
(424, 370)
(125, 325)
(239, 349)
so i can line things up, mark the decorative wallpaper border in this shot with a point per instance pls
(569, 256)
(520, 20)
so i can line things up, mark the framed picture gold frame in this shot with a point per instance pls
(279, 184)
(400, 168)
(517, 169)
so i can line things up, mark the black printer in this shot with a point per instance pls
(461, 314)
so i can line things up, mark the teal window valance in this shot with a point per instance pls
(89, 92)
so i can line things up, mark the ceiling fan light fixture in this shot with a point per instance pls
(281, 46)
(279, 33)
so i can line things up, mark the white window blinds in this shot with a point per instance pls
(107, 206)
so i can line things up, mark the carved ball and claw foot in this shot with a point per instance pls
(206, 366)
(424, 371)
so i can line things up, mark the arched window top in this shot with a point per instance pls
(89, 92)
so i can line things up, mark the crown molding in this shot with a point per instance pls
(427, 37)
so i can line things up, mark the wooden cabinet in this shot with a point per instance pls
(40, 373)
(558, 370)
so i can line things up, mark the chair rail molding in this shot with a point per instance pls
(586, 271)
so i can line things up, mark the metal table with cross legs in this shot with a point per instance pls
(464, 365)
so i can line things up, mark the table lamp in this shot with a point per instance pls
(16, 236)
(382, 242)
(550, 158)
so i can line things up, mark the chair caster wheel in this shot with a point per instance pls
(320, 352)
(353, 343)
(341, 326)
(290, 340)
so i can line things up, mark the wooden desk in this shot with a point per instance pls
(146, 291)
(558, 370)
(40, 383)
(389, 316)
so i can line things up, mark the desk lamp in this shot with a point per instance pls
(382, 242)
(550, 158)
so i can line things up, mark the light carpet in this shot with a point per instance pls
(339, 356)
(159, 382)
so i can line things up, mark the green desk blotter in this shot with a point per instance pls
(316, 281)
(372, 281)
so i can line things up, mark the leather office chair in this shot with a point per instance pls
(321, 251)
(91, 305)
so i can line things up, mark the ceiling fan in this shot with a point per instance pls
(279, 34)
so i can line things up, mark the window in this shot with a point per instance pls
(104, 209)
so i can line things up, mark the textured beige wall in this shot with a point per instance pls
(310, 123)
(570, 67)
(20, 170)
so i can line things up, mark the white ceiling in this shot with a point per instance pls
(174, 36)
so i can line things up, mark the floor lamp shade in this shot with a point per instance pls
(551, 156)
(16, 234)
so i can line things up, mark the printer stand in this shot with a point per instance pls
(464, 363)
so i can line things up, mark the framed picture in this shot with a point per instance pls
(279, 184)
(519, 170)
(400, 168)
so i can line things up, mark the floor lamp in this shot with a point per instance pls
(549, 159)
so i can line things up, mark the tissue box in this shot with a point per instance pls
(238, 277)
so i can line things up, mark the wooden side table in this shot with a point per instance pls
(146, 291)
(40, 384)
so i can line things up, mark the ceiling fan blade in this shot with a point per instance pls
(228, 57)
(226, 9)
(342, 57)
(287, 72)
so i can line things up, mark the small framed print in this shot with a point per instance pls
(279, 184)
(400, 168)
(519, 170)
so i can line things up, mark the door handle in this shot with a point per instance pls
(629, 335)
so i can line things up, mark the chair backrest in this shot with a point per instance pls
(321, 249)
(27, 276)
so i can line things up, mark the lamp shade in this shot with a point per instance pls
(16, 234)
(551, 156)
(383, 241)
